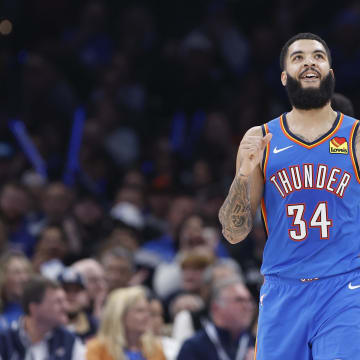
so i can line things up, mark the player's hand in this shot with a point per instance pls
(251, 150)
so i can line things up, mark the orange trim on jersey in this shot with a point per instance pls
(267, 151)
(290, 137)
(352, 134)
(263, 211)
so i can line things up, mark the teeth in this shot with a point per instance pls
(309, 76)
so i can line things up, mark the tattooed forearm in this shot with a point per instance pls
(235, 214)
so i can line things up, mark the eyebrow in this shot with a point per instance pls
(301, 52)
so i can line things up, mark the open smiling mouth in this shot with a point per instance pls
(310, 75)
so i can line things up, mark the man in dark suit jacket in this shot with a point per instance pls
(40, 333)
(227, 335)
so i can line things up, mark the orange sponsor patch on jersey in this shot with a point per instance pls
(338, 145)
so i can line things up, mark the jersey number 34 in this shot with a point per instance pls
(300, 227)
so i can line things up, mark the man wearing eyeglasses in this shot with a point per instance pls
(227, 335)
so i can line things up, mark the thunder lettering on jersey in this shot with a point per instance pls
(311, 206)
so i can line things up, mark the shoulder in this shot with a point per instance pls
(96, 350)
(254, 131)
(199, 340)
(94, 345)
(347, 118)
(198, 347)
(158, 352)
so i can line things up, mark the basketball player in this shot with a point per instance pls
(302, 167)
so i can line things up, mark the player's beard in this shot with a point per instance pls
(310, 98)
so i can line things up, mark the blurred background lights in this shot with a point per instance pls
(6, 27)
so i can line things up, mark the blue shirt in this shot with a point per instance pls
(134, 355)
(11, 313)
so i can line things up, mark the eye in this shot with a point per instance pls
(297, 58)
(319, 56)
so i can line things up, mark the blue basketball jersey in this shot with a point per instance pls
(311, 206)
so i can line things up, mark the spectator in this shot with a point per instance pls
(15, 270)
(123, 235)
(181, 207)
(81, 323)
(35, 184)
(193, 265)
(170, 345)
(94, 278)
(92, 223)
(189, 318)
(227, 335)
(40, 332)
(125, 329)
(50, 251)
(185, 303)
(119, 267)
(14, 207)
(132, 194)
(191, 233)
(57, 201)
(124, 263)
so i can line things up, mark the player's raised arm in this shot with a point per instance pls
(237, 212)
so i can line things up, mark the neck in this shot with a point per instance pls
(306, 117)
(35, 330)
(311, 124)
(133, 341)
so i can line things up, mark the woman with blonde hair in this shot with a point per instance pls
(15, 271)
(124, 332)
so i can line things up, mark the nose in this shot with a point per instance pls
(309, 61)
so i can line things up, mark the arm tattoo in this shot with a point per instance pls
(235, 214)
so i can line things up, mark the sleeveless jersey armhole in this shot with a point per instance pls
(353, 135)
(265, 130)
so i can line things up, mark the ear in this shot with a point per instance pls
(332, 73)
(284, 78)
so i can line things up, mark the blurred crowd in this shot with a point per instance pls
(119, 126)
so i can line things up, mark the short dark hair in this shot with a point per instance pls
(34, 291)
(302, 36)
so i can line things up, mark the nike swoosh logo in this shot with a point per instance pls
(276, 150)
(353, 287)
